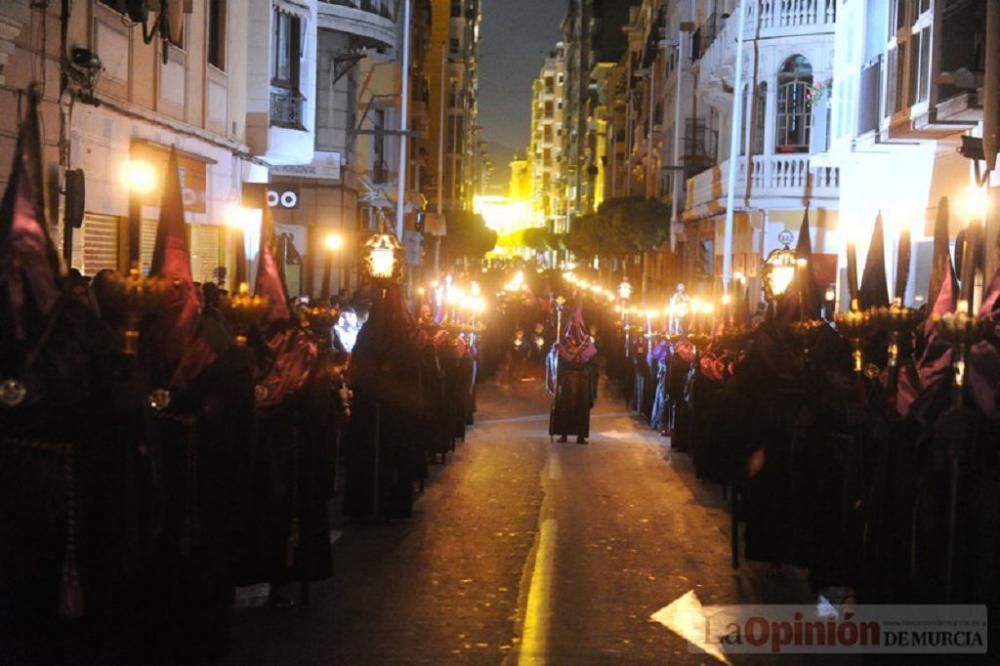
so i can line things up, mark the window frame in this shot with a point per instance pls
(293, 82)
(793, 107)
(217, 34)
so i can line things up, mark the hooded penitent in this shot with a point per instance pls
(270, 283)
(575, 344)
(175, 325)
(174, 333)
(292, 351)
(874, 290)
(935, 362)
(31, 274)
(808, 290)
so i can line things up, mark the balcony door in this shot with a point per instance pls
(286, 54)
(794, 119)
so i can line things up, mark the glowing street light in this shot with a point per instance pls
(976, 204)
(140, 180)
(138, 176)
(333, 241)
(625, 290)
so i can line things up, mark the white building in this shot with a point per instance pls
(908, 84)
(788, 63)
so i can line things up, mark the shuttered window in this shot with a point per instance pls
(147, 241)
(100, 244)
(205, 251)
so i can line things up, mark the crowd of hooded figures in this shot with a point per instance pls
(864, 449)
(163, 442)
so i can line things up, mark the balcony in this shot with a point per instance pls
(778, 18)
(286, 109)
(369, 19)
(775, 178)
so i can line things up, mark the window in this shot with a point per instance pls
(453, 46)
(794, 108)
(456, 9)
(286, 40)
(217, 33)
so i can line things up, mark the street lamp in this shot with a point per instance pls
(140, 179)
(333, 242)
(625, 293)
(779, 272)
(238, 219)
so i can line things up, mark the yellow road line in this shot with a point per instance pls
(534, 638)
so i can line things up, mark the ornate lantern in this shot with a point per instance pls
(137, 296)
(854, 325)
(779, 272)
(899, 322)
(383, 257)
(961, 330)
(244, 310)
(321, 320)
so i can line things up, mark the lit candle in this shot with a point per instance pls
(902, 265)
(852, 271)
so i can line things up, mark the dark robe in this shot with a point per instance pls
(573, 385)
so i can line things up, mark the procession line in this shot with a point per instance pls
(534, 639)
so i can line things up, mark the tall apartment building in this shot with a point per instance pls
(449, 147)
(548, 113)
(594, 39)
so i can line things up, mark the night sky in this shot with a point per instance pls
(516, 37)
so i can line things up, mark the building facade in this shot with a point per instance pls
(548, 114)
(908, 85)
(303, 95)
(191, 91)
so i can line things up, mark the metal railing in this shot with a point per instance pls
(713, 39)
(286, 109)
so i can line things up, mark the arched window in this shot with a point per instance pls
(794, 106)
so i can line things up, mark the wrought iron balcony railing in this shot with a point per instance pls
(286, 109)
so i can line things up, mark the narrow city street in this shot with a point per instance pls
(522, 550)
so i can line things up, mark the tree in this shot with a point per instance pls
(620, 226)
(468, 236)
